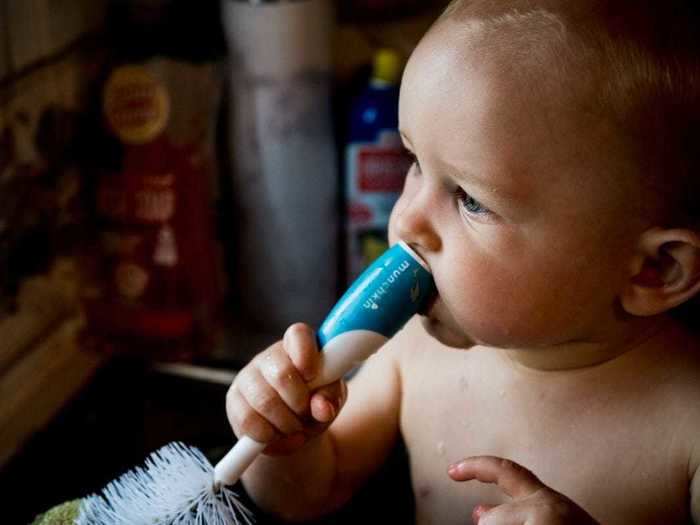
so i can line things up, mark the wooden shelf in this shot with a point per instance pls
(40, 383)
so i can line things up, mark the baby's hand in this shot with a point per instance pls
(533, 502)
(270, 401)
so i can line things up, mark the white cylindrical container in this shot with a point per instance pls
(283, 158)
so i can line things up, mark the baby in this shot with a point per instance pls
(553, 195)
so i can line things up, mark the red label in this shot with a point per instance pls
(137, 198)
(359, 213)
(382, 170)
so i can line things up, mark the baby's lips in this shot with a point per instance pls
(416, 252)
(428, 306)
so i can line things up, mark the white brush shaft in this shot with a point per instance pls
(232, 466)
(343, 353)
(340, 355)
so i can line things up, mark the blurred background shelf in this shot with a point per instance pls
(122, 409)
(35, 388)
(74, 415)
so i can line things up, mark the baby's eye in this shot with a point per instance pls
(469, 204)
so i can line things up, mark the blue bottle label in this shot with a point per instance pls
(395, 287)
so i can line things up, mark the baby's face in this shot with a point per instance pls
(519, 204)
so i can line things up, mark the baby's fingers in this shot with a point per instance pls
(300, 345)
(278, 370)
(513, 479)
(507, 514)
(246, 421)
(539, 511)
(533, 502)
(327, 402)
(266, 401)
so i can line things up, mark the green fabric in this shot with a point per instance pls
(63, 514)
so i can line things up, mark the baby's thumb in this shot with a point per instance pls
(327, 401)
(479, 511)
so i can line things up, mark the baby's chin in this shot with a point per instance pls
(445, 332)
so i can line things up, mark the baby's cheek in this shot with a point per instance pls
(502, 310)
(478, 304)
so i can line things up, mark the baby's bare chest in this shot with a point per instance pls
(620, 461)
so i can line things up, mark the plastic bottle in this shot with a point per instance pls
(375, 163)
(282, 159)
(153, 269)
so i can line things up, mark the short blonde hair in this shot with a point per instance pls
(636, 62)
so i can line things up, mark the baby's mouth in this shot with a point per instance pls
(427, 310)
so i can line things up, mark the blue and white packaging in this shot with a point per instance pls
(382, 299)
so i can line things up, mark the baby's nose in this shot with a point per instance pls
(413, 224)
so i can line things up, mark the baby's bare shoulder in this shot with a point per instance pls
(677, 368)
(673, 393)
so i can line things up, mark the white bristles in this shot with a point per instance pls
(174, 487)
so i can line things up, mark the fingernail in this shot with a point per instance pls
(477, 513)
(331, 409)
(454, 468)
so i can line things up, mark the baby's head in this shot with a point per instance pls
(555, 194)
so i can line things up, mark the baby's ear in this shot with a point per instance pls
(665, 271)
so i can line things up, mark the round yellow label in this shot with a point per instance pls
(136, 105)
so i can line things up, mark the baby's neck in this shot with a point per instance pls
(579, 355)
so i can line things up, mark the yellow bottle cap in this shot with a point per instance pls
(387, 66)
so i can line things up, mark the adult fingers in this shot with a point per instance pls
(513, 479)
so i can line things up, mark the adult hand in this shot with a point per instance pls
(533, 503)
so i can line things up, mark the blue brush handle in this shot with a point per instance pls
(387, 294)
(380, 301)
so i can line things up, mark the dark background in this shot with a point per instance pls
(127, 410)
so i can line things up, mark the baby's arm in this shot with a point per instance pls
(313, 470)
